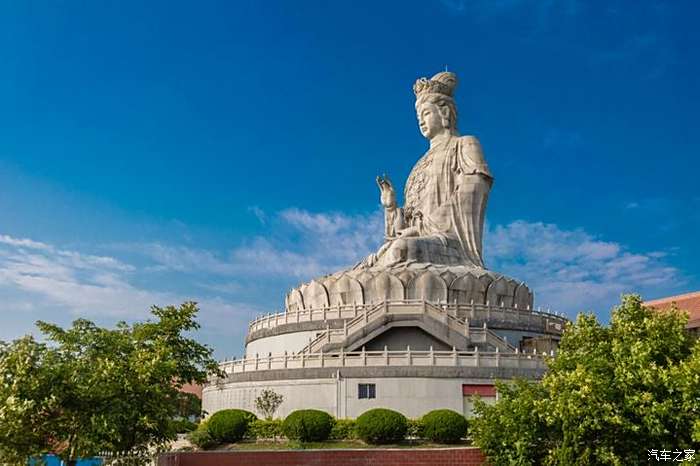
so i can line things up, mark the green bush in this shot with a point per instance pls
(264, 429)
(183, 426)
(414, 428)
(229, 425)
(343, 429)
(307, 425)
(444, 426)
(201, 438)
(381, 426)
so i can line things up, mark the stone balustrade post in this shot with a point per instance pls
(386, 356)
(408, 355)
(364, 357)
(432, 356)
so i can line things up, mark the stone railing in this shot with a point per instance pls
(477, 315)
(517, 360)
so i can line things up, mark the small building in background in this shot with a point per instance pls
(194, 389)
(689, 302)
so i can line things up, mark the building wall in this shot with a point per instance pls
(689, 302)
(399, 338)
(278, 344)
(412, 396)
(298, 394)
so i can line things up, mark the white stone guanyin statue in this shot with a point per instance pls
(432, 247)
(446, 193)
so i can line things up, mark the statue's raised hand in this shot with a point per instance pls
(387, 193)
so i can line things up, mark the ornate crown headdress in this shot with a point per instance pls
(442, 83)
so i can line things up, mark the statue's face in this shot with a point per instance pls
(429, 120)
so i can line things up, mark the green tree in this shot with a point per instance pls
(267, 403)
(89, 389)
(611, 394)
(188, 405)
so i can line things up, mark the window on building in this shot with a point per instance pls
(366, 390)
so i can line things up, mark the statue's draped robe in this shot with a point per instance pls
(445, 198)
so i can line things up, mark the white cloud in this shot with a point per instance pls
(259, 214)
(23, 242)
(83, 283)
(571, 270)
(322, 242)
(39, 277)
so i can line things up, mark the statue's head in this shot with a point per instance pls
(435, 106)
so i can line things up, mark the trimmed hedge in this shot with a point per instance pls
(381, 426)
(444, 426)
(264, 429)
(415, 428)
(308, 425)
(229, 425)
(343, 429)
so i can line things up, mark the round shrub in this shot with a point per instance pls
(307, 425)
(229, 425)
(381, 426)
(444, 426)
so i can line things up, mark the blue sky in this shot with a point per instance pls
(152, 152)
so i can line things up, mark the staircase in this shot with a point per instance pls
(458, 330)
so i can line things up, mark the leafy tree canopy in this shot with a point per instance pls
(89, 389)
(610, 395)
